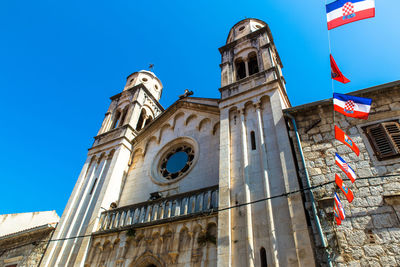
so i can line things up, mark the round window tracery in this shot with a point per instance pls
(176, 162)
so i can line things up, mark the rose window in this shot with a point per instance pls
(176, 162)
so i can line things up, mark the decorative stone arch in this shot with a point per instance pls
(163, 128)
(215, 128)
(147, 260)
(203, 122)
(146, 147)
(177, 116)
(190, 118)
(137, 153)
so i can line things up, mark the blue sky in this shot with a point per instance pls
(62, 60)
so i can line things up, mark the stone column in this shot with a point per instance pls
(246, 67)
(303, 249)
(246, 182)
(264, 162)
(224, 258)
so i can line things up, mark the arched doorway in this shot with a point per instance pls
(147, 260)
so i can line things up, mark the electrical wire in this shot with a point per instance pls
(230, 207)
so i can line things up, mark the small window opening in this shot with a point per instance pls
(94, 184)
(253, 140)
(253, 64)
(116, 120)
(123, 116)
(240, 69)
(263, 256)
(139, 125)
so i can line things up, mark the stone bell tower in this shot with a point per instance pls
(101, 180)
(255, 157)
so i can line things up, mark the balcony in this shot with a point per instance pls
(177, 207)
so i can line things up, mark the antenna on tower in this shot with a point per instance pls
(151, 66)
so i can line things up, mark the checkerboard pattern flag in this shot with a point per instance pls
(348, 9)
(349, 105)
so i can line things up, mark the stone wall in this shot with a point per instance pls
(25, 249)
(182, 243)
(370, 234)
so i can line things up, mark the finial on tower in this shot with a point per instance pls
(151, 66)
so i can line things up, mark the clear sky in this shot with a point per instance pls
(60, 61)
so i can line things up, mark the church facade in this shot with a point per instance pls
(181, 186)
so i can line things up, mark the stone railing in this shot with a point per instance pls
(161, 210)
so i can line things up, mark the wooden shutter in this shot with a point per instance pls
(385, 139)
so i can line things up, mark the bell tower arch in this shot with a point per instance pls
(255, 157)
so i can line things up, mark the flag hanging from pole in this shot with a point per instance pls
(342, 12)
(337, 217)
(336, 73)
(345, 168)
(345, 139)
(352, 106)
(339, 208)
(346, 191)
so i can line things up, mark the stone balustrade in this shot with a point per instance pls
(161, 210)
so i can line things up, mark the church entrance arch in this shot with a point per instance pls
(147, 260)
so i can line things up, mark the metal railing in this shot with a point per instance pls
(161, 210)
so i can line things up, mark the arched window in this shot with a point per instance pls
(123, 117)
(240, 69)
(116, 119)
(139, 125)
(263, 257)
(253, 63)
(253, 140)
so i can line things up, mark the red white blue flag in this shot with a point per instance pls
(337, 217)
(345, 139)
(345, 168)
(346, 191)
(339, 207)
(342, 12)
(352, 106)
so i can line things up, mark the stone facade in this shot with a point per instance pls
(370, 234)
(25, 249)
(172, 187)
(184, 243)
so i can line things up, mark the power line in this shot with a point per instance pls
(230, 207)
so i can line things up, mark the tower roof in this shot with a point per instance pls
(243, 28)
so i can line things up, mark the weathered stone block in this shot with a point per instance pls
(375, 200)
(356, 237)
(373, 250)
(384, 220)
(388, 261)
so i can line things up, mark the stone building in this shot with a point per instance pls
(170, 187)
(24, 237)
(370, 235)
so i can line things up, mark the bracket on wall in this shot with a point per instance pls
(313, 125)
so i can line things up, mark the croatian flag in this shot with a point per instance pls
(339, 207)
(342, 12)
(337, 217)
(352, 106)
(345, 139)
(345, 167)
(346, 191)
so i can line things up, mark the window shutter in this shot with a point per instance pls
(385, 139)
(393, 130)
